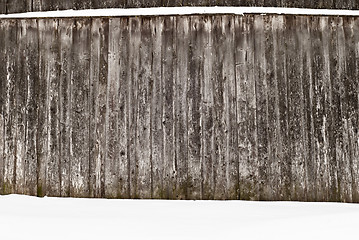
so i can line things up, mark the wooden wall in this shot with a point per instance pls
(12, 6)
(181, 107)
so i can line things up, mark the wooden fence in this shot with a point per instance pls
(181, 107)
(13, 6)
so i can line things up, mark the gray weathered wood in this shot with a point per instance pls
(123, 171)
(143, 108)
(52, 66)
(186, 107)
(65, 35)
(207, 140)
(11, 6)
(194, 98)
(112, 32)
(168, 81)
(180, 105)
(3, 80)
(156, 110)
(79, 136)
(134, 60)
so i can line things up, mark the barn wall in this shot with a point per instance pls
(12, 6)
(181, 107)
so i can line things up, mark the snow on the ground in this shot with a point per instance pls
(181, 11)
(27, 218)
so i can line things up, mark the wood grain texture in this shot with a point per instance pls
(246, 107)
(11, 6)
(2, 104)
(65, 29)
(79, 136)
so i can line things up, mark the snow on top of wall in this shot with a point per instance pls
(163, 11)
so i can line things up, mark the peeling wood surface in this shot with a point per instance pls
(16, 6)
(190, 107)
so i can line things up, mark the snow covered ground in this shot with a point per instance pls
(27, 218)
(161, 11)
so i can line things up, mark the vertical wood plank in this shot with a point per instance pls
(168, 70)
(180, 104)
(351, 98)
(272, 27)
(296, 109)
(135, 37)
(219, 147)
(112, 29)
(98, 101)
(355, 166)
(344, 175)
(347, 105)
(53, 140)
(143, 146)
(124, 180)
(156, 109)
(42, 121)
(65, 29)
(2, 6)
(11, 53)
(281, 72)
(262, 106)
(246, 105)
(194, 97)
(207, 113)
(30, 74)
(333, 118)
(2, 102)
(48, 122)
(20, 98)
(79, 148)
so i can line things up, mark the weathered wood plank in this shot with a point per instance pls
(180, 105)
(98, 96)
(112, 29)
(168, 80)
(245, 107)
(42, 121)
(230, 108)
(52, 65)
(48, 122)
(3, 80)
(355, 166)
(143, 137)
(135, 37)
(29, 54)
(156, 109)
(207, 140)
(79, 143)
(351, 98)
(194, 98)
(2, 6)
(65, 29)
(11, 53)
(124, 180)
(20, 95)
(349, 102)
(344, 175)
(281, 72)
(16, 6)
(271, 28)
(251, 92)
(262, 106)
(333, 117)
(296, 109)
